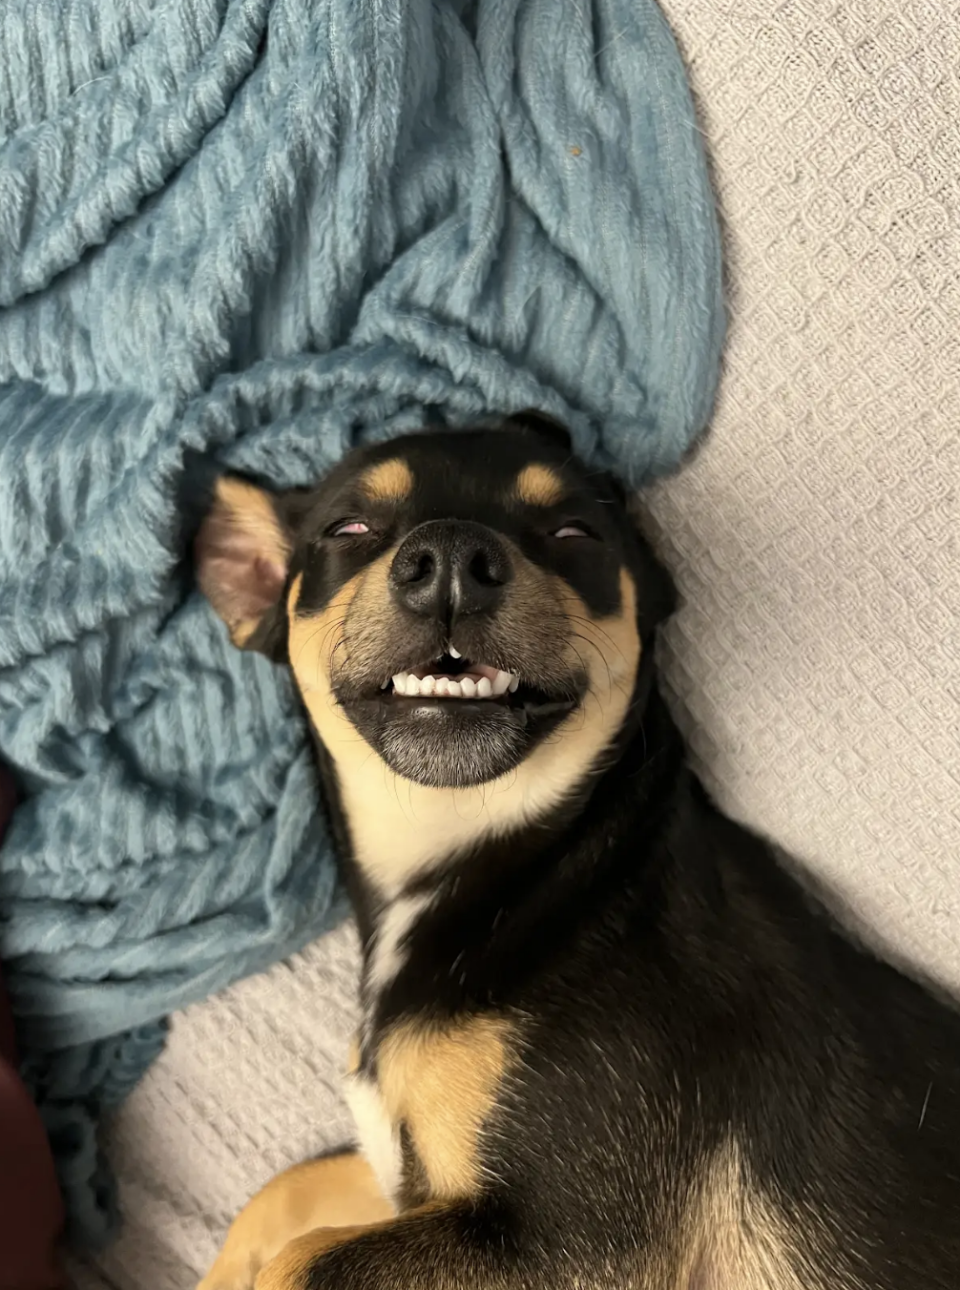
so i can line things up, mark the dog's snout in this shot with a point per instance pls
(447, 569)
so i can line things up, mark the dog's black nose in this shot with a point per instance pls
(449, 568)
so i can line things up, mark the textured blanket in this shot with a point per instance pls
(245, 234)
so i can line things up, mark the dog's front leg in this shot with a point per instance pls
(442, 1246)
(338, 1192)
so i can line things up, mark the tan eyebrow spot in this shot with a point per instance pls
(538, 485)
(388, 481)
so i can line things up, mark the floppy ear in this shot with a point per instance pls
(657, 596)
(545, 426)
(242, 556)
(657, 593)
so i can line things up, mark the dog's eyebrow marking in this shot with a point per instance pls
(388, 481)
(538, 485)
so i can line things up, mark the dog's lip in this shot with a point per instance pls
(525, 702)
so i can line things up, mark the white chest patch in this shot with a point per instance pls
(389, 948)
(377, 1136)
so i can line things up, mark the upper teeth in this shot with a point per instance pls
(462, 687)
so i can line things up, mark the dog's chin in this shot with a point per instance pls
(453, 743)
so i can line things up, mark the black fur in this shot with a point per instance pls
(684, 988)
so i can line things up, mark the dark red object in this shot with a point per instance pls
(31, 1209)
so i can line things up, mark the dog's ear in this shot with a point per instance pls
(657, 596)
(545, 426)
(242, 556)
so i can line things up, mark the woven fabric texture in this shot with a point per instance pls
(815, 663)
(246, 234)
(816, 538)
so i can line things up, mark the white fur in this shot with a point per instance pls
(377, 1137)
(389, 952)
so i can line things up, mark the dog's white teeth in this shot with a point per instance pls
(460, 687)
(454, 653)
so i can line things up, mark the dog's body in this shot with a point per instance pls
(608, 1042)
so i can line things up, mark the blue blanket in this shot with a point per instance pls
(246, 234)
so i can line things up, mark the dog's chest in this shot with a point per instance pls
(422, 1084)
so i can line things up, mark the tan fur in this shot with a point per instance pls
(338, 1193)
(538, 485)
(399, 828)
(241, 531)
(353, 1056)
(252, 509)
(242, 630)
(734, 1239)
(289, 1270)
(442, 1083)
(387, 481)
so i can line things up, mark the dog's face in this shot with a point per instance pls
(457, 597)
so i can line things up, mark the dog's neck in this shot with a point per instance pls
(392, 835)
(399, 831)
(464, 930)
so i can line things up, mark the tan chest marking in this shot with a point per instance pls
(442, 1085)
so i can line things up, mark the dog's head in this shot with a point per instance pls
(454, 597)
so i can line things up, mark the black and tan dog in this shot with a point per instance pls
(607, 1041)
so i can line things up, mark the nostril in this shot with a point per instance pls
(484, 571)
(422, 569)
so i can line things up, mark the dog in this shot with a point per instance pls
(608, 1040)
